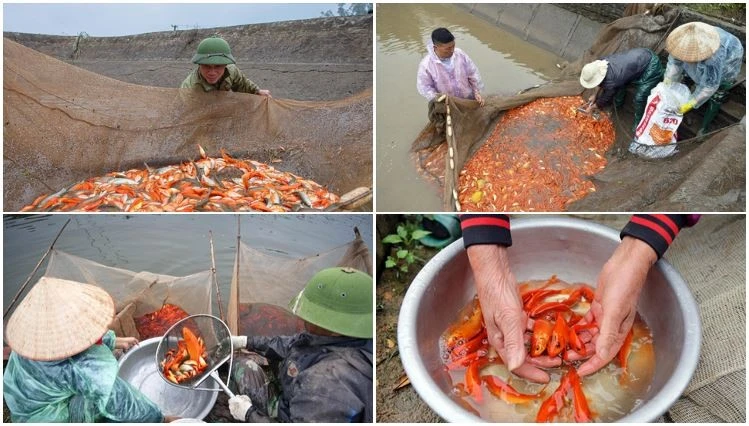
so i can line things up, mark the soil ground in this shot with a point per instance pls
(312, 59)
(403, 405)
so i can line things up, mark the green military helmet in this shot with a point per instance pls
(337, 299)
(213, 51)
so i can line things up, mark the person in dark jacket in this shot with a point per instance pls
(611, 75)
(324, 374)
(644, 240)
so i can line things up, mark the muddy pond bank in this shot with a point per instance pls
(311, 59)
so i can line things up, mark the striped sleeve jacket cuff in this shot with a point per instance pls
(485, 229)
(657, 230)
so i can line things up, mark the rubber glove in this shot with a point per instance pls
(238, 406)
(685, 108)
(239, 342)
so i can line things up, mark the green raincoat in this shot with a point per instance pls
(81, 388)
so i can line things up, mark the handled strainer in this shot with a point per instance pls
(218, 349)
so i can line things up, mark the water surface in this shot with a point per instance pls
(175, 244)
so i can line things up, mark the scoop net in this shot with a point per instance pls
(194, 349)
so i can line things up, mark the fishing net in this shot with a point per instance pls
(147, 304)
(193, 349)
(263, 283)
(701, 177)
(64, 124)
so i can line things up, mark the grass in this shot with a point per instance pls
(731, 11)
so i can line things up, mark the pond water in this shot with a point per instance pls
(168, 244)
(507, 64)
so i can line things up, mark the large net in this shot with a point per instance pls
(699, 178)
(147, 304)
(264, 282)
(64, 124)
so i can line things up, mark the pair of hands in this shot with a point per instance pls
(614, 307)
(477, 95)
(591, 105)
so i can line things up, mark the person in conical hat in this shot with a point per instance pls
(325, 373)
(611, 74)
(711, 57)
(61, 368)
(217, 70)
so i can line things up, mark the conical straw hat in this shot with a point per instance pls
(693, 42)
(58, 319)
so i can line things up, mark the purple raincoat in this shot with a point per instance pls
(457, 76)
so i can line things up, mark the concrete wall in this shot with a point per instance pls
(610, 12)
(568, 29)
(562, 32)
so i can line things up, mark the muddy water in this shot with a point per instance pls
(507, 64)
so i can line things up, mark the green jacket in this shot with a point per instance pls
(233, 80)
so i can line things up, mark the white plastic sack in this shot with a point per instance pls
(655, 135)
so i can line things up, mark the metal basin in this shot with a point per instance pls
(575, 250)
(137, 367)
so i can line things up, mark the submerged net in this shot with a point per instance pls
(144, 301)
(263, 284)
(702, 177)
(64, 124)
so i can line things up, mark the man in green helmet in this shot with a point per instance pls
(323, 374)
(217, 70)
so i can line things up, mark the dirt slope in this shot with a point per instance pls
(312, 59)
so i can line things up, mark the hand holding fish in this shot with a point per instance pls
(502, 309)
(615, 304)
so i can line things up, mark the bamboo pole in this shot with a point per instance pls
(239, 240)
(28, 280)
(215, 279)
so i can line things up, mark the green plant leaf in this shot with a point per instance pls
(410, 258)
(402, 231)
(392, 239)
(401, 254)
(419, 234)
(404, 268)
(389, 263)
